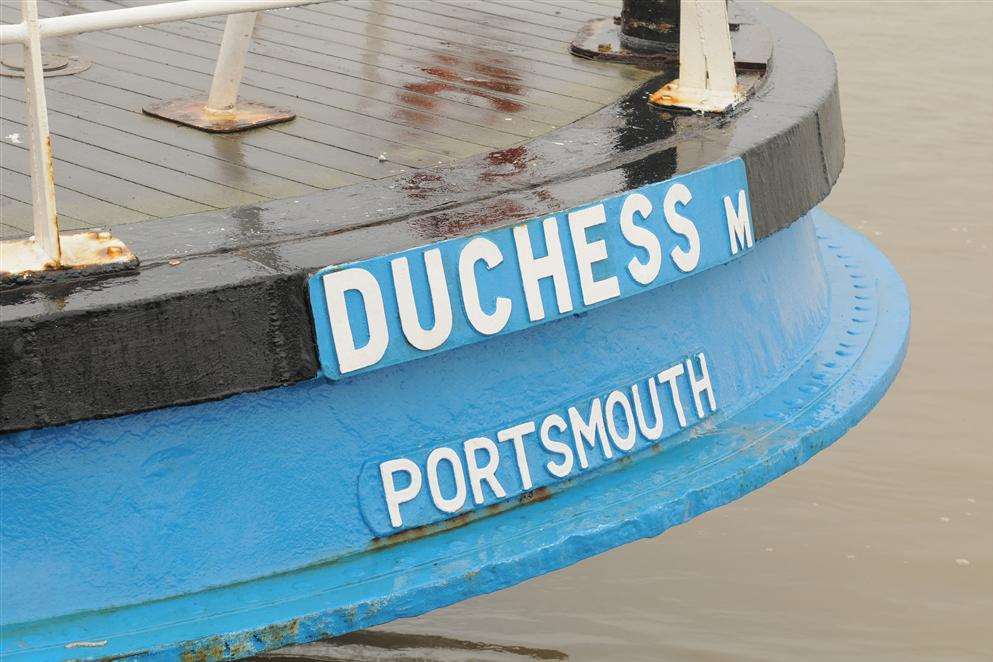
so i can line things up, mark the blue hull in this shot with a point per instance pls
(228, 528)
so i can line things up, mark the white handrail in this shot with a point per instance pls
(61, 26)
(44, 249)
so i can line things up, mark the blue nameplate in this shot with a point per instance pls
(514, 461)
(400, 307)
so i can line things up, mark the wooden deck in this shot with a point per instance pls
(379, 88)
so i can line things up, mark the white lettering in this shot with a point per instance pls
(349, 356)
(739, 223)
(483, 250)
(701, 385)
(533, 270)
(655, 432)
(589, 253)
(670, 375)
(563, 468)
(623, 442)
(417, 335)
(487, 472)
(687, 259)
(516, 435)
(588, 430)
(395, 497)
(643, 272)
(455, 502)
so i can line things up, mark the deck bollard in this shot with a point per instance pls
(696, 32)
(650, 26)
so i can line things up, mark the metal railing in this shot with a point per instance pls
(46, 250)
(707, 82)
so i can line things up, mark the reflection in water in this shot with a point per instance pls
(385, 645)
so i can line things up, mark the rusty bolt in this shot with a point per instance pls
(604, 48)
(114, 251)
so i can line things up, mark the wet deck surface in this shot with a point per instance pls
(379, 88)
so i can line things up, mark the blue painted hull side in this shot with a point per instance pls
(231, 527)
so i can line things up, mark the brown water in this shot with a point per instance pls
(881, 547)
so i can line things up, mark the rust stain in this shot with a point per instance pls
(484, 79)
(533, 496)
(193, 111)
(421, 184)
(516, 158)
(445, 224)
(648, 25)
(219, 648)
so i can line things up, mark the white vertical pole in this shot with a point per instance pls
(692, 60)
(712, 18)
(707, 79)
(46, 221)
(231, 61)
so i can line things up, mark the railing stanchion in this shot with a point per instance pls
(48, 251)
(231, 61)
(46, 221)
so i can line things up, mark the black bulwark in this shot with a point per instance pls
(219, 303)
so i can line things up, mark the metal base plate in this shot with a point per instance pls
(52, 64)
(192, 111)
(86, 252)
(600, 39)
(671, 95)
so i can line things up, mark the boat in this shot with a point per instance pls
(558, 281)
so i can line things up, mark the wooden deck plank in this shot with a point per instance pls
(533, 97)
(501, 38)
(230, 148)
(179, 66)
(16, 221)
(118, 53)
(521, 51)
(109, 188)
(366, 116)
(528, 116)
(370, 144)
(532, 28)
(555, 63)
(9, 232)
(402, 82)
(412, 22)
(338, 142)
(525, 21)
(179, 159)
(582, 71)
(582, 11)
(86, 208)
(130, 169)
(378, 87)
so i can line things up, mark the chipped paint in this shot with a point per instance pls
(25, 261)
(87, 644)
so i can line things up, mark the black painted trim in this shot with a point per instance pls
(232, 315)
